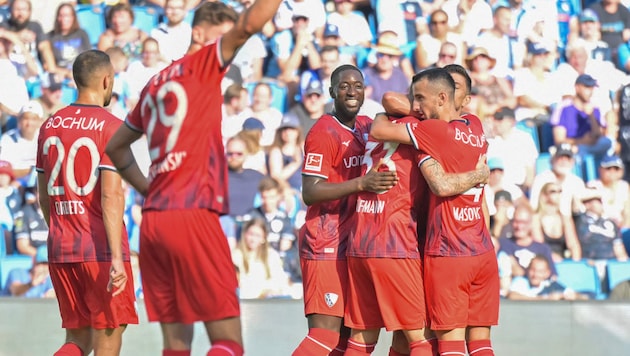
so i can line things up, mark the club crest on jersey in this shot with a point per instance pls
(313, 162)
(331, 299)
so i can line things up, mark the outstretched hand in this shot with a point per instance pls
(378, 182)
(117, 278)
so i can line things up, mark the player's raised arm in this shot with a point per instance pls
(445, 184)
(249, 22)
(384, 130)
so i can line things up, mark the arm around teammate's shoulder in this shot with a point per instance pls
(384, 130)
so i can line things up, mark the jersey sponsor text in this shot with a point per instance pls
(353, 161)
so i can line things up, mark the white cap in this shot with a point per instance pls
(33, 107)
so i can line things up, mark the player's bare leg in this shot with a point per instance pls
(107, 342)
(362, 342)
(478, 340)
(400, 345)
(225, 334)
(177, 336)
(78, 342)
(452, 341)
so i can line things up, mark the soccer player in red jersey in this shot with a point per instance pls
(187, 270)
(461, 274)
(82, 200)
(331, 175)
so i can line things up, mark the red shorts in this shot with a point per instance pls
(325, 283)
(385, 292)
(462, 291)
(187, 269)
(83, 298)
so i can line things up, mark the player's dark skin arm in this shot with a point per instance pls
(119, 151)
(317, 189)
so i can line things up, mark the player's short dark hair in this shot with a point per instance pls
(437, 76)
(336, 74)
(268, 183)
(456, 68)
(87, 64)
(214, 13)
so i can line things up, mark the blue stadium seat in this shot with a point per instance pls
(625, 234)
(545, 134)
(579, 276)
(146, 18)
(543, 163)
(3, 243)
(617, 272)
(189, 17)
(10, 262)
(5, 13)
(530, 127)
(278, 93)
(92, 20)
(589, 168)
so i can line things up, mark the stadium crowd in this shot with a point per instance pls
(550, 84)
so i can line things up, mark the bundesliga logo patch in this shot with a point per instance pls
(331, 299)
(313, 162)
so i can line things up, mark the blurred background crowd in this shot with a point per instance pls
(549, 83)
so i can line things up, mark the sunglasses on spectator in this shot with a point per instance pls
(447, 55)
(236, 154)
(443, 22)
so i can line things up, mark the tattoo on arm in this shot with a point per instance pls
(449, 184)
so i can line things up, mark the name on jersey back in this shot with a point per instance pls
(171, 162)
(370, 206)
(69, 207)
(76, 123)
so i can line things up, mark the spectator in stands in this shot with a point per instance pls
(534, 89)
(515, 147)
(495, 92)
(314, 8)
(294, 51)
(19, 146)
(615, 23)
(140, 71)
(501, 212)
(243, 183)
(13, 91)
(286, 154)
(173, 35)
(30, 228)
(311, 107)
(578, 62)
(408, 18)
(10, 203)
(599, 236)
(262, 109)
(447, 55)
(538, 284)
(354, 29)
(385, 75)
(590, 32)
(330, 57)
(121, 32)
(258, 266)
(561, 172)
(251, 135)
(235, 110)
(31, 35)
(345, 54)
(615, 190)
(497, 182)
(50, 100)
(189, 4)
(580, 122)
(509, 54)
(34, 282)
(66, 40)
(519, 243)
(553, 228)
(468, 17)
(280, 232)
(123, 99)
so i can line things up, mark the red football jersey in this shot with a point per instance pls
(71, 153)
(180, 111)
(387, 223)
(456, 225)
(334, 152)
